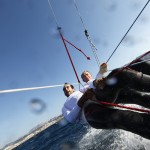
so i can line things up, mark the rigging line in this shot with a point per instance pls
(32, 88)
(59, 29)
(128, 31)
(77, 49)
(135, 60)
(128, 65)
(79, 15)
(87, 36)
(126, 107)
(53, 13)
(140, 62)
(94, 49)
(134, 63)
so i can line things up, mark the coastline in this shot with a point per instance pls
(32, 134)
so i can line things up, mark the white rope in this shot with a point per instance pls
(53, 13)
(32, 88)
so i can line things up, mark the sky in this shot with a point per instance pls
(32, 53)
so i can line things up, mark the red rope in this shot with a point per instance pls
(134, 61)
(69, 56)
(77, 49)
(121, 106)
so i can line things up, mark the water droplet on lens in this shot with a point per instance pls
(37, 105)
(112, 81)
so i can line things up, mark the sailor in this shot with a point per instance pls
(71, 111)
(88, 79)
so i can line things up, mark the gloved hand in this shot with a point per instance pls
(87, 95)
(99, 83)
(103, 68)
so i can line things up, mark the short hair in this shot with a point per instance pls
(84, 72)
(64, 89)
(69, 84)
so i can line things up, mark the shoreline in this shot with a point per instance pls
(30, 135)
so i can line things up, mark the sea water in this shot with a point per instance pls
(66, 136)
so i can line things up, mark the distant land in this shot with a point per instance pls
(34, 131)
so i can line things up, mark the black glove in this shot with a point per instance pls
(87, 95)
(99, 83)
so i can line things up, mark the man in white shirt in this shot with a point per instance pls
(71, 111)
(72, 108)
(88, 79)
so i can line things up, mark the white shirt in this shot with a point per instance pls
(88, 85)
(99, 75)
(71, 111)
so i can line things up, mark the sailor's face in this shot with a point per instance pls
(68, 90)
(86, 76)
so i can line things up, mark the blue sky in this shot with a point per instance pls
(32, 53)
